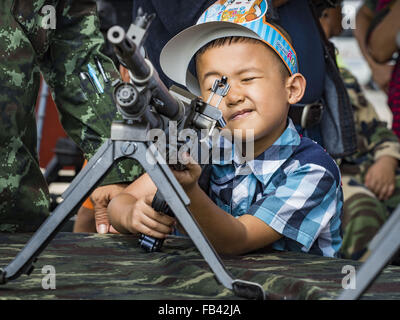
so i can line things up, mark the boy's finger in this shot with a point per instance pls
(187, 160)
(149, 199)
(151, 232)
(102, 221)
(190, 163)
(157, 216)
(113, 230)
(156, 226)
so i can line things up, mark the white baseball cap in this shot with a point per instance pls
(225, 18)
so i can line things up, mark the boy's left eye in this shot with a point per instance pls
(248, 79)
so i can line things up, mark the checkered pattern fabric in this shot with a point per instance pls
(294, 187)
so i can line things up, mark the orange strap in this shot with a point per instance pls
(88, 204)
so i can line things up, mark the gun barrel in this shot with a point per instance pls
(144, 74)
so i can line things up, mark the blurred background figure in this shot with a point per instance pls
(365, 17)
(376, 17)
(382, 46)
(370, 177)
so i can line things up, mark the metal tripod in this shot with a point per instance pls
(121, 145)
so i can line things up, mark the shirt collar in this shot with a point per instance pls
(266, 164)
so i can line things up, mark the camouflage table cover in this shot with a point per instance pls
(94, 266)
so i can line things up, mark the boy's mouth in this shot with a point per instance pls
(241, 114)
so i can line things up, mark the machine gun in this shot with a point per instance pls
(146, 104)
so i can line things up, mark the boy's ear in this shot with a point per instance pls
(296, 86)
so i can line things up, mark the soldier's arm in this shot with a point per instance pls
(373, 134)
(382, 140)
(85, 114)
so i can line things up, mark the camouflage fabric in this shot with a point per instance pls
(93, 266)
(27, 49)
(363, 213)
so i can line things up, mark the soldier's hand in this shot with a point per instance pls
(381, 177)
(101, 198)
(144, 219)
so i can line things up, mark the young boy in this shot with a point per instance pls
(291, 199)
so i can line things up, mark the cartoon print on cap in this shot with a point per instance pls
(236, 11)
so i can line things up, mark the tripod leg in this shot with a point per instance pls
(171, 191)
(81, 187)
(178, 201)
(383, 247)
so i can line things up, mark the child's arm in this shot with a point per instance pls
(131, 211)
(228, 234)
(305, 207)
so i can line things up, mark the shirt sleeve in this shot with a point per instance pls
(302, 206)
(85, 114)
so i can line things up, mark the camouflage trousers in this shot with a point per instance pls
(363, 215)
(24, 196)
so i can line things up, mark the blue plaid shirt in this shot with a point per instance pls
(293, 186)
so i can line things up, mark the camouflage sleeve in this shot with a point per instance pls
(85, 114)
(374, 138)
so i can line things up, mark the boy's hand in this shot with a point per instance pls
(188, 178)
(100, 199)
(144, 219)
(381, 177)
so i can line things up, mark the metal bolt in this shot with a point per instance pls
(128, 148)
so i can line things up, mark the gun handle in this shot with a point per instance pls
(151, 244)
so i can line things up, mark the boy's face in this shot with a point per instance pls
(259, 95)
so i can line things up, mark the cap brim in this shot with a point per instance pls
(178, 52)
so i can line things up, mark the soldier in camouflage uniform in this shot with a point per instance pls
(29, 47)
(366, 207)
(370, 177)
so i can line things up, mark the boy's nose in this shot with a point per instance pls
(234, 97)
